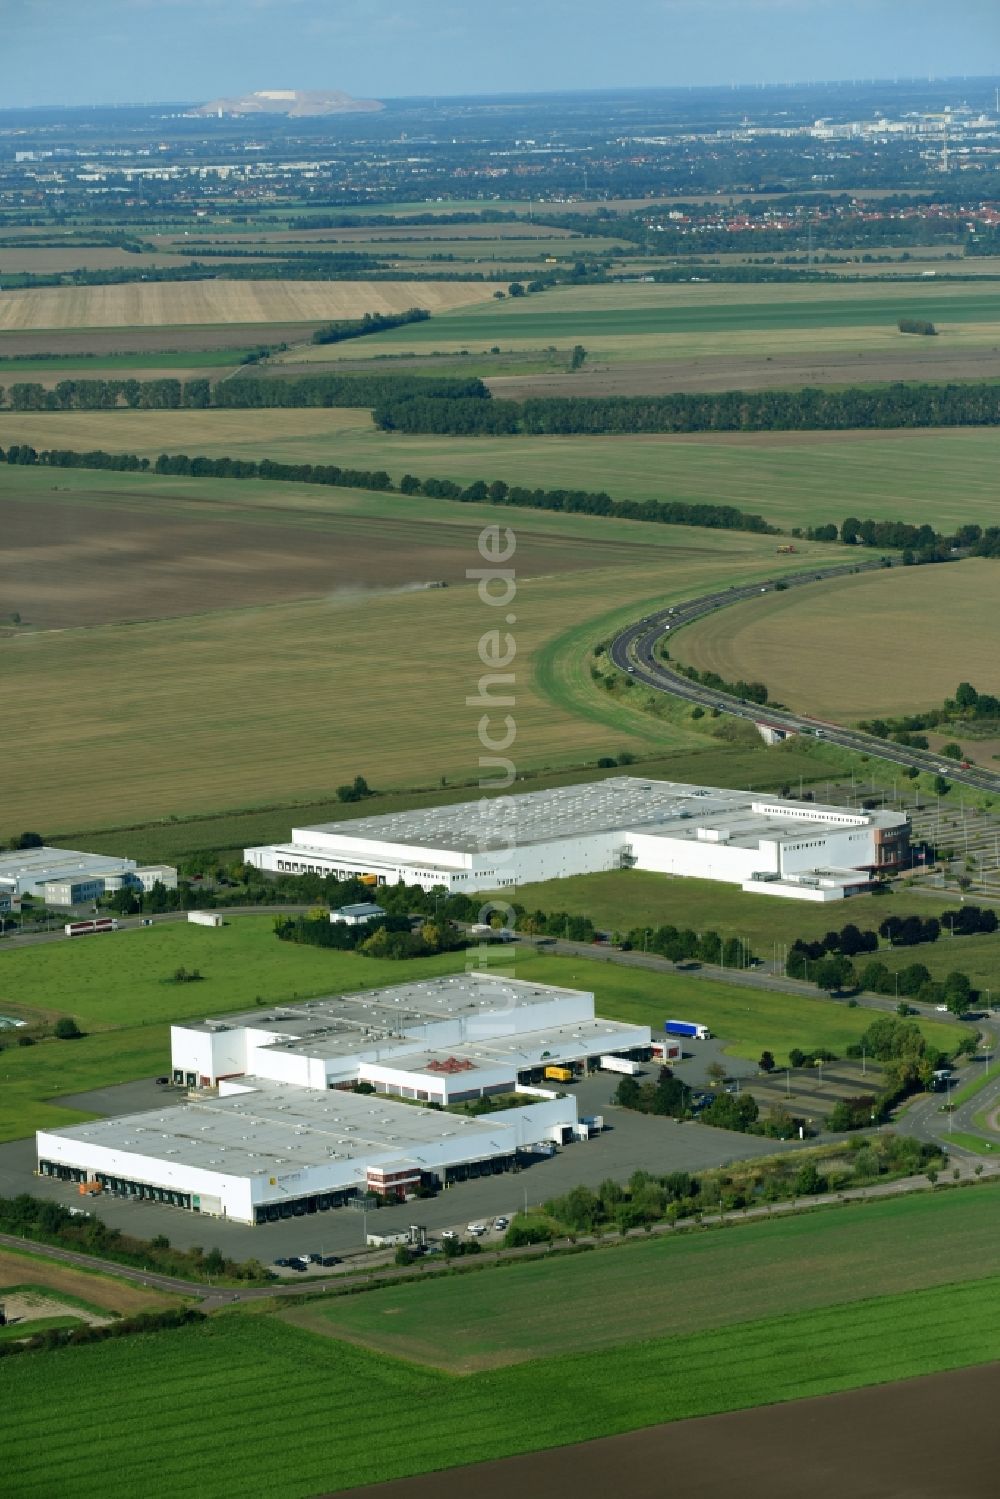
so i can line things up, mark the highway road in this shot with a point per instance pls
(634, 651)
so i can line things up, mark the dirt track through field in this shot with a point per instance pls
(921, 359)
(932, 1438)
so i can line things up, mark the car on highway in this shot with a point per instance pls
(941, 1009)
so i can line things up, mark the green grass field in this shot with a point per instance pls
(945, 476)
(638, 311)
(620, 899)
(327, 1399)
(688, 1284)
(124, 980)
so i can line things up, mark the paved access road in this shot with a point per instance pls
(633, 651)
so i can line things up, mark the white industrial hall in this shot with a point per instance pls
(799, 849)
(299, 1109)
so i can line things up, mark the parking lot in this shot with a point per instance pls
(628, 1143)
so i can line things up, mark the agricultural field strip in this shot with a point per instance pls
(692, 1283)
(325, 1397)
(946, 477)
(149, 304)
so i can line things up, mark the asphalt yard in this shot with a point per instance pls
(629, 1142)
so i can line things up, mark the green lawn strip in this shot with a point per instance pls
(33, 1076)
(689, 1282)
(189, 1395)
(78, 367)
(969, 1090)
(976, 1143)
(748, 1020)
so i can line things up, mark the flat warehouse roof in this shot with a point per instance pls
(619, 804)
(391, 1010)
(277, 1129)
(523, 1049)
(58, 863)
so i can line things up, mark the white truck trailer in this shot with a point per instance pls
(205, 918)
(619, 1064)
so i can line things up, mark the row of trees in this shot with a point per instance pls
(169, 394)
(390, 936)
(679, 1195)
(570, 501)
(808, 409)
(753, 692)
(372, 322)
(967, 706)
(50, 1223)
(123, 1327)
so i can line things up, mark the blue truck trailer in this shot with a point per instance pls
(687, 1028)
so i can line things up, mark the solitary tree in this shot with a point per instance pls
(67, 1029)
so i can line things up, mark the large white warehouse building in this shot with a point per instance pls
(275, 1127)
(783, 847)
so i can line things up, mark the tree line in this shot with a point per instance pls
(372, 322)
(804, 410)
(50, 1223)
(571, 501)
(199, 394)
(968, 705)
(679, 1196)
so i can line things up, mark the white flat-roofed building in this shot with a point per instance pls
(69, 877)
(277, 1121)
(267, 1150)
(739, 837)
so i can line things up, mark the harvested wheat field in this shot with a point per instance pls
(869, 646)
(152, 304)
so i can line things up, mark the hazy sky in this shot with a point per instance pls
(111, 51)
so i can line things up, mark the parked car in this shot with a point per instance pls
(477, 1229)
(163, 1081)
(331, 1259)
(449, 1233)
(282, 1263)
(501, 1223)
(314, 1259)
(298, 1263)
